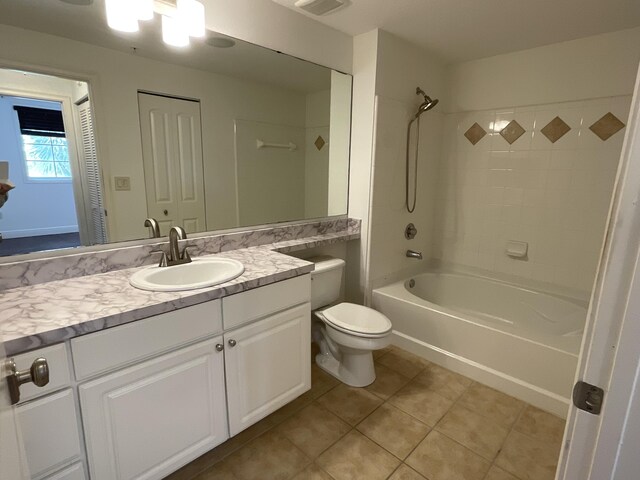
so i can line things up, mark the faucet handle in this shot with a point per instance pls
(164, 262)
(185, 255)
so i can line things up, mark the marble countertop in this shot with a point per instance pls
(39, 315)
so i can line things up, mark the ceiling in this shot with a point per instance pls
(459, 30)
(87, 23)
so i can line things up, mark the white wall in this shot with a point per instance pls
(317, 161)
(340, 121)
(265, 23)
(223, 99)
(598, 66)
(34, 208)
(401, 68)
(365, 58)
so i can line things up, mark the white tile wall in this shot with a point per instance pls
(554, 196)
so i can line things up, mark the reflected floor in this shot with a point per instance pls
(416, 421)
(19, 246)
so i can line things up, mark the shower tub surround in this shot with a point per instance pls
(45, 313)
(541, 174)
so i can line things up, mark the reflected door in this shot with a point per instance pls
(172, 153)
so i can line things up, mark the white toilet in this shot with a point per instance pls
(346, 333)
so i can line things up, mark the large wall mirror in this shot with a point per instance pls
(100, 130)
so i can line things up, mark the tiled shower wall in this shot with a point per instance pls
(554, 196)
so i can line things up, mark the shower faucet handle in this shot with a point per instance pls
(410, 232)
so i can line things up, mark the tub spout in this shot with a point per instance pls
(414, 254)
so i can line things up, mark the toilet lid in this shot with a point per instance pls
(357, 319)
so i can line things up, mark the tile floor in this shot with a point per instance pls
(416, 421)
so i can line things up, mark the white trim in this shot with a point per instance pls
(591, 450)
(38, 232)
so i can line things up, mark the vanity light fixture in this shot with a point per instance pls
(181, 19)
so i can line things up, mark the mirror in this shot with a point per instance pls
(100, 130)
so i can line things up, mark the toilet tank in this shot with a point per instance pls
(326, 281)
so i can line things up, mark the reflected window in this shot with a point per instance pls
(44, 143)
(46, 157)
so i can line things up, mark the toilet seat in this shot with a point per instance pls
(357, 320)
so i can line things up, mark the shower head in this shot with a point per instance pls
(428, 103)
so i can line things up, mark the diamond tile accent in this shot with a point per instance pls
(555, 129)
(607, 126)
(319, 143)
(512, 132)
(475, 133)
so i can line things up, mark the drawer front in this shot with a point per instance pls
(74, 472)
(50, 432)
(59, 372)
(248, 306)
(103, 351)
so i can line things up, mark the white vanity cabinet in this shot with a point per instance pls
(148, 420)
(157, 393)
(267, 365)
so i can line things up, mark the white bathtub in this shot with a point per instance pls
(520, 341)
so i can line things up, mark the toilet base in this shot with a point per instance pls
(356, 368)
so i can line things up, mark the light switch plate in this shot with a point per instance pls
(122, 183)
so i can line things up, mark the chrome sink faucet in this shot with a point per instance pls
(175, 257)
(414, 254)
(152, 223)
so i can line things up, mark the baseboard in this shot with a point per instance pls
(38, 232)
(536, 396)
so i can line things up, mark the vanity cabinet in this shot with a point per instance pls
(149, 419)
(157, 393)
(267, 365)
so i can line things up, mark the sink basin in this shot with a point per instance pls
(200, 273)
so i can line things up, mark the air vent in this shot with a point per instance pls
(320, 7)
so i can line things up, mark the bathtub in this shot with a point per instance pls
(517, 340)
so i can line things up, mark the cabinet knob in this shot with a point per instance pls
(166, 212)
(219, 347)
(232, 343)
(38, 374)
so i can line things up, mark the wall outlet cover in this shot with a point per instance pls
(122, 183)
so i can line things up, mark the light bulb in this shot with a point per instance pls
(120, 16)
(144, 9)
(191, 12)
(174, 32)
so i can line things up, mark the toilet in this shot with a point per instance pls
(346, 333)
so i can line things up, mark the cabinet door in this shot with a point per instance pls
(150, 419)
(268, 364)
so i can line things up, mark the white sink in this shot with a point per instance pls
(200, 273)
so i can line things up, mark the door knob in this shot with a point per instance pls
(232, 343)
(166, 212)
(219, 347)
(38, 374)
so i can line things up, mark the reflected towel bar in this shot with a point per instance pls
(289, 146)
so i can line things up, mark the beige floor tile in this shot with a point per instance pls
(540, 425)
(440, 458)
(357, 457)
(422, 403)
(528, 458)
(492, 404)
(405, 473)
(444, 382)
(477, 433)
(403, 362)
(220, 471)
(387, 382)
(382, 351)
(496, 473)
(313, 429)
(313, 472)
(396, 431)
(270, 453)
(321, 381)
(349, 403)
